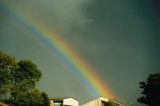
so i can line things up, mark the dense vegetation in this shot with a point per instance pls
(151, 90)
(18, 82)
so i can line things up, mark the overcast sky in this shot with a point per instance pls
(120, 39)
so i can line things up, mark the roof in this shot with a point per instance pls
(61, 98)
(107, 100)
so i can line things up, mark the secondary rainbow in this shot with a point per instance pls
(57, 45)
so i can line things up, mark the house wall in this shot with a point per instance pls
(95, 102)
(70, 102)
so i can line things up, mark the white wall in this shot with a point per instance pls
(70, 102)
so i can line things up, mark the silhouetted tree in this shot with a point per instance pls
(151, 91)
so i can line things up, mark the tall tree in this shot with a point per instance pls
(151, 90)
(18, 81)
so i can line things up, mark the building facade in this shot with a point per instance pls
(101, 101)
(64, 102)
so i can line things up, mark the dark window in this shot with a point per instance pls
(109, 103)
(105, 103)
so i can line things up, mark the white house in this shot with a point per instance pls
(64, 102)
(101, 101)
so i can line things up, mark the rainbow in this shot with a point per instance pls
(58, 46)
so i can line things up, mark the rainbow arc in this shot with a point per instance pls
(65, 53)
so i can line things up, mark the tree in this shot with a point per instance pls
(27, 71)
(18, 81)
(45, 99)
(7, 64)
(151, 90)
(28, 98)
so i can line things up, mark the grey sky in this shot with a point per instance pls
(118, 38)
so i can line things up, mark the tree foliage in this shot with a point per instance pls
(151, 91)
(28, 98)
(26, 72)
(45, 99)
(7, 63)
(18, 81)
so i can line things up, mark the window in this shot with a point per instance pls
(105, 103)
(109, 103)
(58, 104)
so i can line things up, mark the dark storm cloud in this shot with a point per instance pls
(156, 6)
(62, 14)
(121, 43)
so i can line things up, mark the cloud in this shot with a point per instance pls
(62, 14)
(70, 12)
